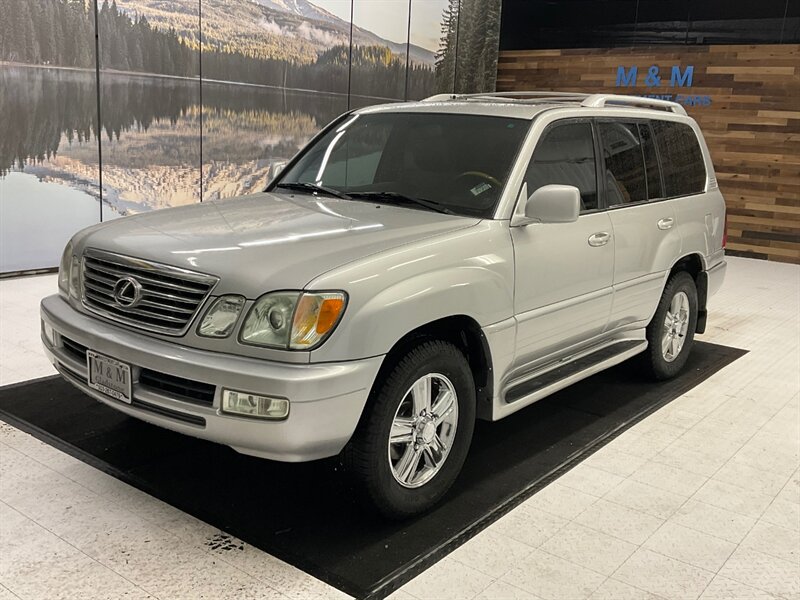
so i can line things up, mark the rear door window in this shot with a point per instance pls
(565, 155)
(681, 158)
(624, 162)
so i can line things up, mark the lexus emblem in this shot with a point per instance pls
(127, 292)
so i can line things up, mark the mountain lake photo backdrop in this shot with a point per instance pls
(183, 101)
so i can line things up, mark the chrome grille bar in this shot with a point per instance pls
(169, 297)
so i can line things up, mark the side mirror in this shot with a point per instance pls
(554, 204)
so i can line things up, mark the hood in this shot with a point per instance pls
(265, 242)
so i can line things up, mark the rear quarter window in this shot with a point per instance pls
(682, 163)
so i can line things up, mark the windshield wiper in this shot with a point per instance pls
(313, 187)
(429, 204)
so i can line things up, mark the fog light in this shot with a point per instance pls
(48, 333)
(253, 405)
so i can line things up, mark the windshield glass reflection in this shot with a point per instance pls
(455, 164)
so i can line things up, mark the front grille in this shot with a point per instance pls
(178, 387)
(168, 298)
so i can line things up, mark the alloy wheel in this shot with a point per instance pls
(423, 430)
(676, 326)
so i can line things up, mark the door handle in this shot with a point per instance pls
(665, 224)
(600, 238)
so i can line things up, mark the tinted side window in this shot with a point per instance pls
(565, 155)
(625, 176)
(654, 190)
(681, 158)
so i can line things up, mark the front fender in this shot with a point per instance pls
(467, 272)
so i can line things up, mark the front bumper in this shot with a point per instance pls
(326, 399)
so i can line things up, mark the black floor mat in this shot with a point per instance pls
(305, 514)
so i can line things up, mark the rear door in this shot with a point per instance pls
(699, 214)
(644, 221)
(563, 271)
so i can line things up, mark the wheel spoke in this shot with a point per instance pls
(408, 463)
(444, 405)
(402, 430)
(668, 320)
(675, 305)
(675, 347)
(421, 395)
(435, 450)
(665, 343)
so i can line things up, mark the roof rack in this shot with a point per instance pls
(601, 100)
(587, 100)
(519, 96)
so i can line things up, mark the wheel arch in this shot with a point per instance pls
(466, 334)
(694, 264)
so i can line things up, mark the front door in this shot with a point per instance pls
(563, 271)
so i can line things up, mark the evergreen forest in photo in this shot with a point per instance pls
(61, 33)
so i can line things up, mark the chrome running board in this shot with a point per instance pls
(567, 373)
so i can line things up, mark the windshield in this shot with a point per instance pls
(454, 163)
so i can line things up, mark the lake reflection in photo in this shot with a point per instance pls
(150, 145)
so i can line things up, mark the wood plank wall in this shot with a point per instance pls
(752, 125)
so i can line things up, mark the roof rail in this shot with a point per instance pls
(601, 100)
(537, 95)
(587, 100)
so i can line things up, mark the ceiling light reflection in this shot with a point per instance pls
(294, 237)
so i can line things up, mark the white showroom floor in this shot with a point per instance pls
(699, 500)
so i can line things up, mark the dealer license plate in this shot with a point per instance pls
(109, 376)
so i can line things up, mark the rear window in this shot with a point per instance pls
(682, 162)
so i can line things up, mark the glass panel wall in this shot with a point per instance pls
(271, 78)
(433, 34)
(49, 168)
(149, 104)
(198, 99)
(380, 51)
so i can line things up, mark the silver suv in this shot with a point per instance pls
(415, 267)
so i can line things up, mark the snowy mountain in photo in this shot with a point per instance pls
(296, 30)
(301, 8)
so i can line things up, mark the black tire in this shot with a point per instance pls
(366, 456)
(657, 365)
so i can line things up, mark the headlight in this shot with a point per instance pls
(74, 276)
(293, 320)
(221, 317)
(269, 322)
(65, 271)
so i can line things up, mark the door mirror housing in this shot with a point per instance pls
(554, 204)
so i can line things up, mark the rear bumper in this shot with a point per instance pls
(326, 399)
